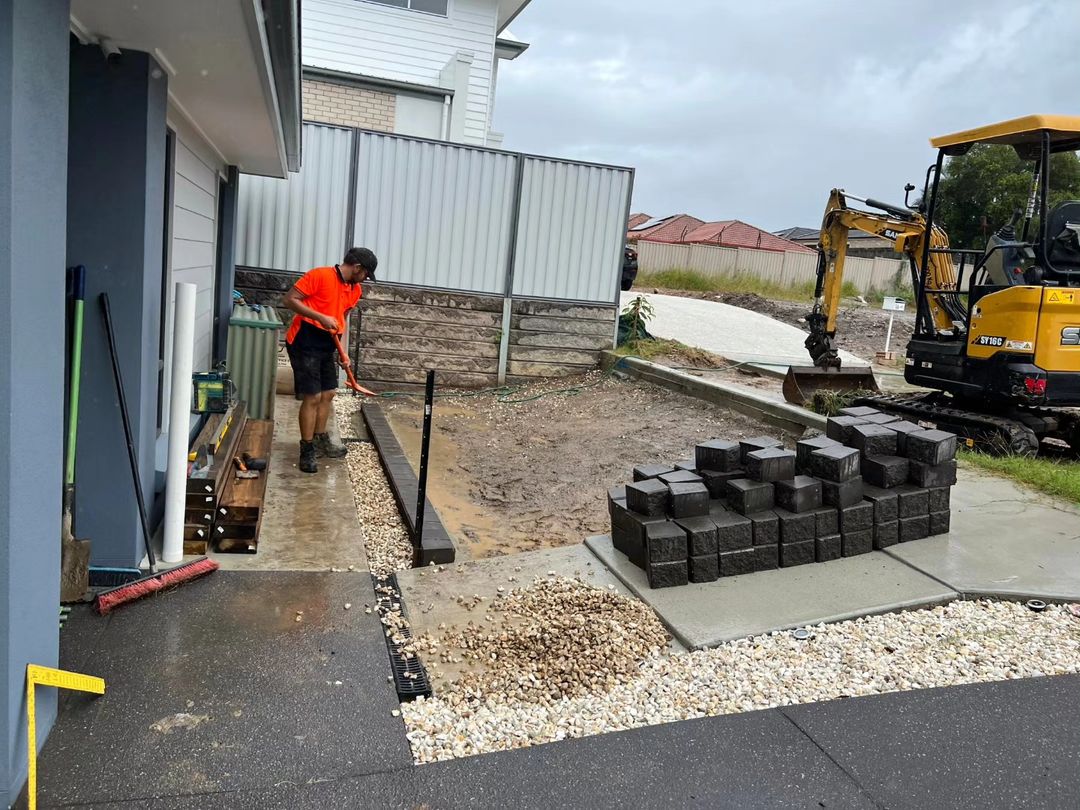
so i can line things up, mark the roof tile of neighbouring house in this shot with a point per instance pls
(733, 233)
(798, 234)
(637, 219)
(665, 229)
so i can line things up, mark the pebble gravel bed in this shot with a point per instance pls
(960, 643)
(386, 540)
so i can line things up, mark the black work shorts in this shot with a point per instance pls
(313, 372)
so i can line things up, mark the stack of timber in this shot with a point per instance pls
(215, 448)
(238, 518)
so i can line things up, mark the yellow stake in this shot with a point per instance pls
(60, 679)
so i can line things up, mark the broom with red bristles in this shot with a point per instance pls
(153, 582)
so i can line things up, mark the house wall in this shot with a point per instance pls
(328, 102)
(33, 210)
(369, 39)
(115, 226)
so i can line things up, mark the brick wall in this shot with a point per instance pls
(343, 105)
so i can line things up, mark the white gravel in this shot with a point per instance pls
(960, 643)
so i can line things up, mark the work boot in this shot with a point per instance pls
(307, 457)
(326, 448)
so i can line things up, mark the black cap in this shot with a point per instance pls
(363, 257)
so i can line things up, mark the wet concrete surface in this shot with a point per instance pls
(309, 522)
(216, 686)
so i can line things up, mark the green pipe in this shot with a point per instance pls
(78, 283)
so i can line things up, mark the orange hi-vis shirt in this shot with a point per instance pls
(324, 292)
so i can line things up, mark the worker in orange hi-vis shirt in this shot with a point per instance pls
(322, 299)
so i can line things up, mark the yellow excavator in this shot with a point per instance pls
(997, 331)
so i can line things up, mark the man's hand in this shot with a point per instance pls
(329, 323)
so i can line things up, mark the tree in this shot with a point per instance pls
(980, 191)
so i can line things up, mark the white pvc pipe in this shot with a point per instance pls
(179, 421)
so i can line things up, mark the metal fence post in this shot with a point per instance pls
(425, 444)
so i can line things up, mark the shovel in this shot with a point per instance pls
(74, 554)
(347, 365)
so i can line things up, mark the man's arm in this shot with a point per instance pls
(294, 300)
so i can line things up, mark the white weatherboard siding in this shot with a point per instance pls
(354, 36)
(193, 243)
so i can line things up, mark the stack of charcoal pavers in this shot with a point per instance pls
(739, 507)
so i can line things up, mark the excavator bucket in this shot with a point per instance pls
(802, 382)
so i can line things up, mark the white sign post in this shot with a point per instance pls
(892, 305)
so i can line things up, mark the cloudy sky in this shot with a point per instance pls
(754, 110)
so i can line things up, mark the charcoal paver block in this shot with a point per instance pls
(931, 446)
(748, 446)
(736, 563)
(912, 501)
(633, 527)
(835, 463)
(704, 568)
(828, 521)
(733, 532)
(617, 493)
(665, 542)
(717, 507)
(689, 500)
(766, 558)
(792, 554)
(886, 534)
(903, 429)
(881, 419)
(885, 472)
(650, 497)
(884, 501)
(746, 496)
(771, 464)
(668, 574)
(643, 472)
(827, 548)
(700, 535)
(716, 480)
(806, 448)
(853, 544)
(873, 440)
(932, 476)
(719, 455)
(843, 494)
(940, 498)
(688, 465)
(680, 477)
(795, 528)
(859, 411)
(857, 518)
(766, 528)
(801, 494)
(839, 428)
(940, 523)
(914, 528)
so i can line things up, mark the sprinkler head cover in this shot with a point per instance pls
(1037, 605)
(801, 634)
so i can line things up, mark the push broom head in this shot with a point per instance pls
(114, 597)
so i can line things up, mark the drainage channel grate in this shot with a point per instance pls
(410, 677)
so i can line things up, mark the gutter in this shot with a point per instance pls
(376, 83)
(281, 22)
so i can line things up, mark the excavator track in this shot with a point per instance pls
(994, 434)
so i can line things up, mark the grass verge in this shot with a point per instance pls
(694, 281)
(1052, 476)
(671, 351)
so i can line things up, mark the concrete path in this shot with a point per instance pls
(309, 522)
(709, 614)
(732, 332)
(1006, 541)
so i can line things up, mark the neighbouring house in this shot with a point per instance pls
(126, 126)
(637, 219)
(736, 234)
(493, 265)
(426, 68)
(861, 245)
(664, 229)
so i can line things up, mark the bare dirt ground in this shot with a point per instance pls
(508, 477)
(860, 329)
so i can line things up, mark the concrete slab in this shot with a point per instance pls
(732, 332)
(263, 699)
(309, 522)
(429, 592)
(1006, 541)
(709, 614)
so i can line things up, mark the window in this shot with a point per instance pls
(427, 6)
